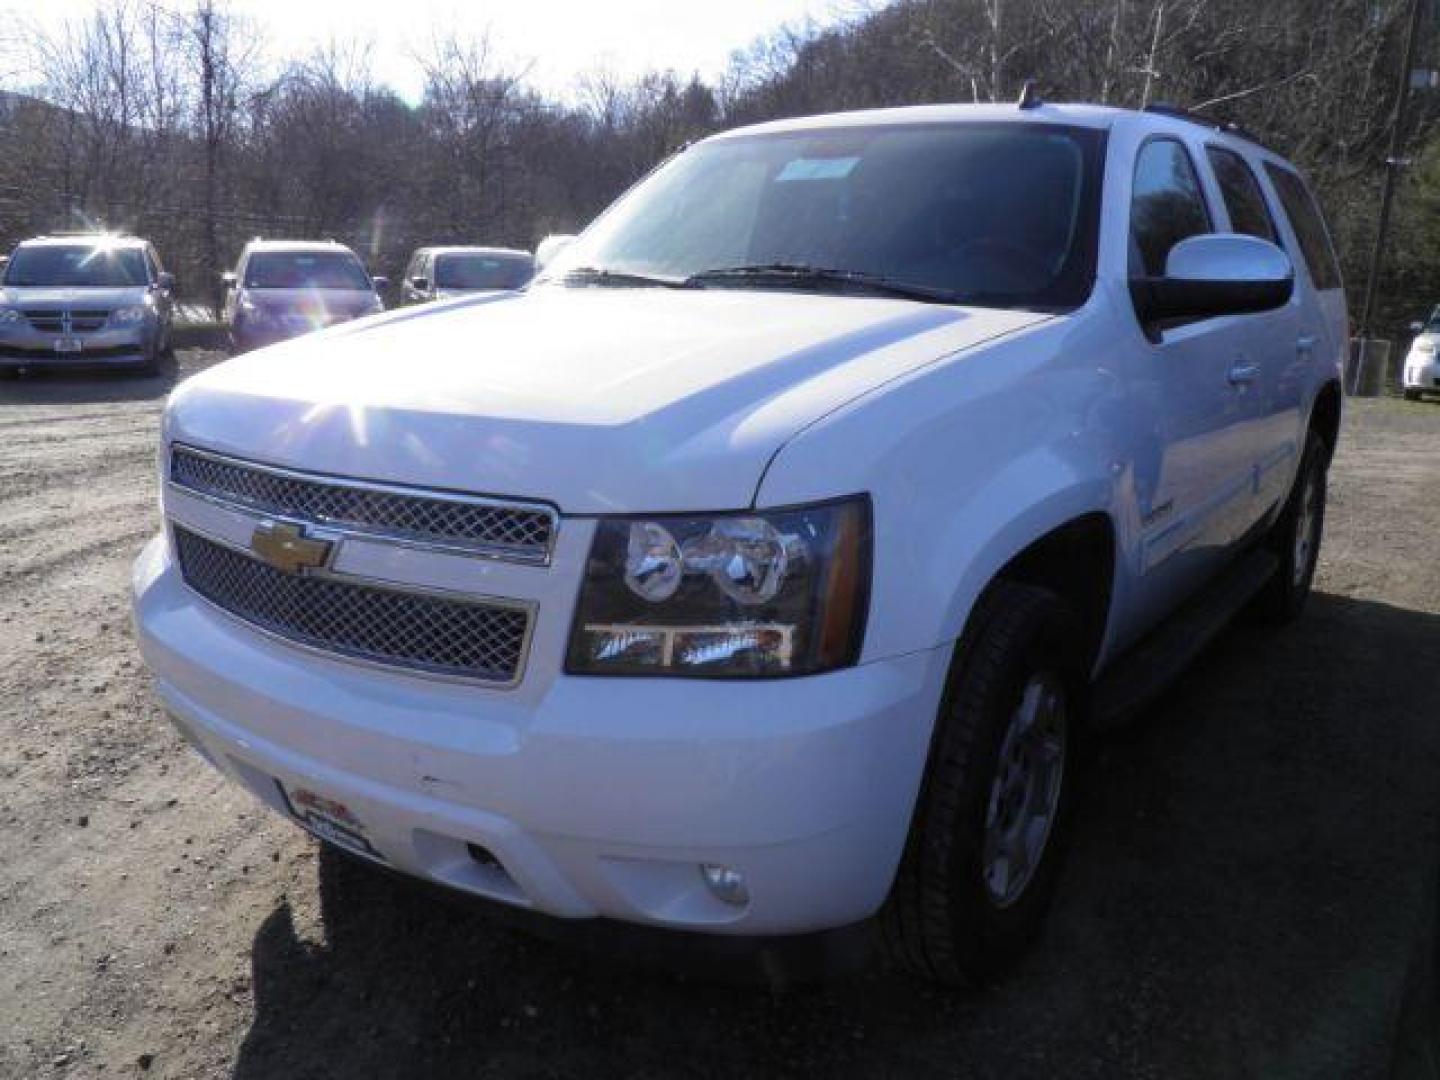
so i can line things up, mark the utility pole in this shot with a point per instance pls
(1393, 164)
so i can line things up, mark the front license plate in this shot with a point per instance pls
(68, 344)
(329, 819)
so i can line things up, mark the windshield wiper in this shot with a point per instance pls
(803, 274)
(591, 275)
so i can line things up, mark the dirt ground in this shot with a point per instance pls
(1250, 892)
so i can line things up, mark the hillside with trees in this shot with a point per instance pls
(173, 122)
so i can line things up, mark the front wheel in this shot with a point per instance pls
(1295, 537)
(1412, 395)
(984, 847)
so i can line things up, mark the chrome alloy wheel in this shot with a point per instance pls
(1025, 795)
(1307, 523)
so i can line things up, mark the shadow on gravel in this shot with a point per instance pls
(1250, 891)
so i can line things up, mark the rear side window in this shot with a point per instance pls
(1309, 226)
(1241, 192)
(1166, 205)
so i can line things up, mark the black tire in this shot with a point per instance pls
(942, 920)
(1282, 600)
(1412, 395)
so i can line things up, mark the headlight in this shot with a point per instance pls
(766, 593)
(10, 316)
(129, 316)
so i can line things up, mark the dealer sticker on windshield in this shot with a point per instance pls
(329, 819)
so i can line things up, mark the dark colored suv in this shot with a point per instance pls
(284, 288)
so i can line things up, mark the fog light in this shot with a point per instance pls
(727, 884)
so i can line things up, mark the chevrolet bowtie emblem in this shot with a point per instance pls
(287, 548)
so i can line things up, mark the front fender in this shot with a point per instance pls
(967, 463)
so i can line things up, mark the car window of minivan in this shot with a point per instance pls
(935, 206)
(77, 266)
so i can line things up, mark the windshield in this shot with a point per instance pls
(1003, 213)
(77, 266)
(474, 271)
(305, 270)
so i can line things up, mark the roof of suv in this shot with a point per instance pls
(69, 240)
(468, 249)
(1157, 118)
(297, 245)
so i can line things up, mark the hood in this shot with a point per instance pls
(597, 400)
(44, 296)
(321, 306)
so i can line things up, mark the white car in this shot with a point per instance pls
(1421, 372)
(757, 572)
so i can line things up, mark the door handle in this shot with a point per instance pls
(1244, 372)
(1305, 345)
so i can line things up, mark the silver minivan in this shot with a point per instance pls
(84, 299)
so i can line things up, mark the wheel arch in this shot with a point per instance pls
(1076, 561)
(1325, 416)
(1069, 546)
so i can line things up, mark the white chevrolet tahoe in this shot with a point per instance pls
(760, 570)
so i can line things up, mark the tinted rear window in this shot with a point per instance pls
(305, 270)
(1309, 226)
(1243, 198)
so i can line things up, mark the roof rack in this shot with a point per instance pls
(1229, 127)
(58, 233)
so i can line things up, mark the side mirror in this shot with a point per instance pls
(1416, 327)
(166, 281)
(547, 249)
(381, 282)
(228, 279)
(419, 284)
(1216, 274)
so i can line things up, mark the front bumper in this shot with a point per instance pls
(596, 797)
(247, 334)
(1421, 371)
(31, 348)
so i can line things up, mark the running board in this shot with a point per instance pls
(1143, 673)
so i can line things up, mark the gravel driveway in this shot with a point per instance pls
(1251, 889)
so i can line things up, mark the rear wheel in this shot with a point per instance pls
(984, 847)
(1295, 537)
(1412, 395)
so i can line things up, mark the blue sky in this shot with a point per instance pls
(559, 40)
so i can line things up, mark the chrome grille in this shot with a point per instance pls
(472, 639)
(52, 321)
(504, 530)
